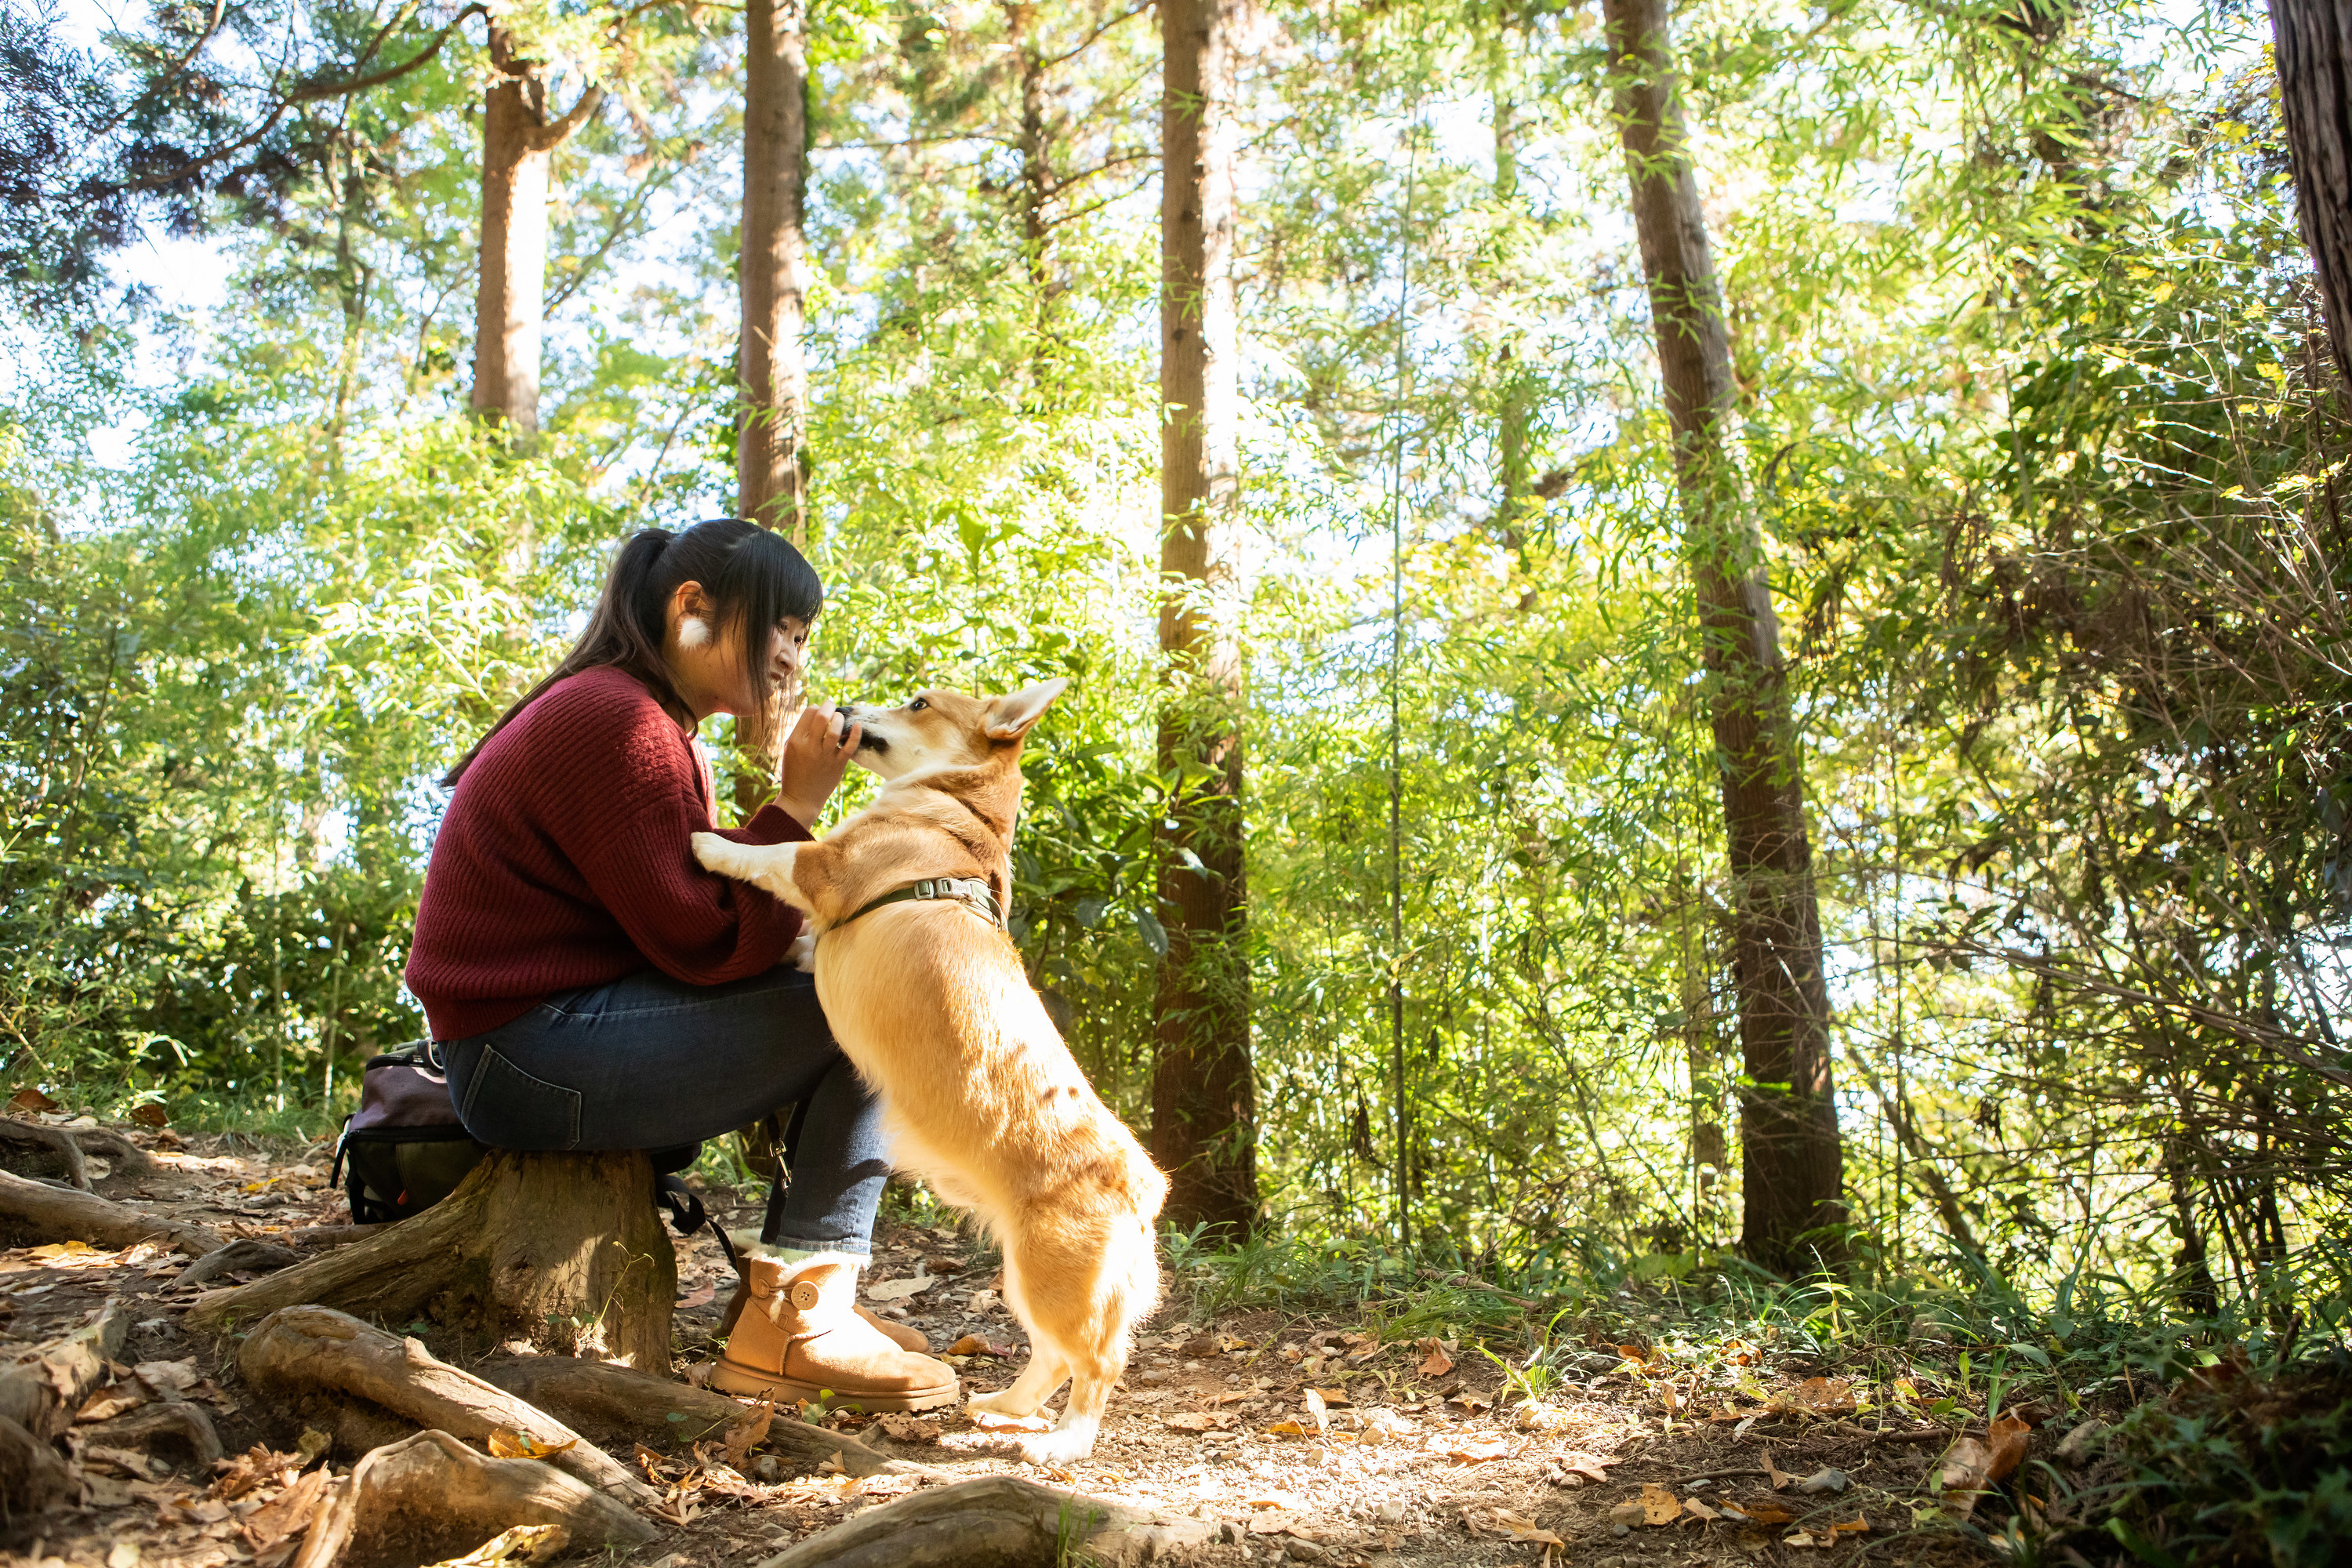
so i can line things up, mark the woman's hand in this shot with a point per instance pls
(816, 754)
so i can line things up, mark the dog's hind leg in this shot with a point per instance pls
(1046, 1369)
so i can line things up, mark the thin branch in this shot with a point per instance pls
(1089, 41)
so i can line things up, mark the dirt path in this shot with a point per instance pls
(1640, 1454)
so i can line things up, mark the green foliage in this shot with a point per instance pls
(2031, 417)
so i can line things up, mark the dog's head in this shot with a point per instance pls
(947, 729)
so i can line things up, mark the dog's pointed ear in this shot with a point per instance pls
(1011, 716)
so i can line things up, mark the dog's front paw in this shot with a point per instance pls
(723, 856)
(1060, 1448)
(802, 954)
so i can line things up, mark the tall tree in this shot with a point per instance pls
(2312, 42)
(774, 266)
(518, 143)
(1203, 1097)
(1791, 1162)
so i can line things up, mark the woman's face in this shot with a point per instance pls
(710, 672)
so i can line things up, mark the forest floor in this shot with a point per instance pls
(1293, 1436)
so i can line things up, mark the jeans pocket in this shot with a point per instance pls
(507, 1108)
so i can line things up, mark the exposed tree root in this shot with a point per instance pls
(242, 1256)
(565, 1251)
(311, 1351)
(70, 1146)
(41, 1386)
(432, 1498)
(620, 1401)
(996, 1521)
(174, 1421)
(56, 1214)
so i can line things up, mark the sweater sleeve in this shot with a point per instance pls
(632, 847)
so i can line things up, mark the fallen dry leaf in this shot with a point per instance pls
(1435, 1361)
(1761, 1512)
(1317, 1410)
(1698, 1509)
(1519, 1527)
(61, 1249)
(1673, 1400)
(1780, 1477)
(700, 1296)
(1477, 1450)
(1578, 1463)
(150, 1114)
(506, 1445)
(1287, 1429)
(747, 1433)
(257, 1466)
(1202, 1421)
(523, 1543)
(908, 1428)
(1821, 1396)
(1659, 1506)
(1965, 1475)
(1337, 1398)
(898, 1289)
(31, 1101)
(974, 1344)
(1854, 1526)
(284, 1514)
(1229, 1396)
(169, 1378)
(107, 1403)
(2007, 1443)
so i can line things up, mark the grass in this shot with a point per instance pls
(2231, 1442)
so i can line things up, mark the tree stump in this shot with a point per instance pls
(564, 1252)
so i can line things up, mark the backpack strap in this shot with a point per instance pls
(688, 1215)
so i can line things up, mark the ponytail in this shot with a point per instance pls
(754, 579)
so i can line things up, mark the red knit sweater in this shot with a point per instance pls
(562, 861)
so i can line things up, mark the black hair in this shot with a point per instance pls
(753, 578)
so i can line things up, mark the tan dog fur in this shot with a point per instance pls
(980, 1094)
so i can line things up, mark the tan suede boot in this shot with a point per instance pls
(898, 1334)
(800, 1338)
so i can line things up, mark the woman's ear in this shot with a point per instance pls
(689, 612)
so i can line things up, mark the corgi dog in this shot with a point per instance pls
(928, 997)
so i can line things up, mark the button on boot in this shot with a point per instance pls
(801, 1338)
(898, 1334)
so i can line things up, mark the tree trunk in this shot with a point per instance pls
(775, 267)
(1203, 1102)
(2312, 42)
(565, 1251)
(1036, 166)
(518, 145)
(1790, 1162)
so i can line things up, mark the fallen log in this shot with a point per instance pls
(996, 1521)
(72, 1144)
(564, 1250)
(41, 1386)
(302, 1351)
(621, 1401)
(431, 1497)
(59, 1214)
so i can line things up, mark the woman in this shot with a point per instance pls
(591, 987)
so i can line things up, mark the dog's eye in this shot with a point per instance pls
(919, 704)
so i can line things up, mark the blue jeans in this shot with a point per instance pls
(649, 1062)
